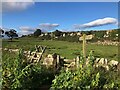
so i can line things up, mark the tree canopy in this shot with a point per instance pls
(1, 32)
(37, 32)
(57, 33)
(11, 34)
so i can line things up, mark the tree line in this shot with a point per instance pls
(100, 35)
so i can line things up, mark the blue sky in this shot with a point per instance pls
(64, 14)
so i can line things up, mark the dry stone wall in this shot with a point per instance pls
(58, 61)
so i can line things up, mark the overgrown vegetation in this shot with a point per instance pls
(86, 78)
(18, 75)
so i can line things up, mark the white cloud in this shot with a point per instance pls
(98, 22)
(45, 27)
(14, 5)
(6, 29)
(25, 30)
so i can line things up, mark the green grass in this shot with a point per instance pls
(64, 48)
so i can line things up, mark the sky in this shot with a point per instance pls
(25, 17)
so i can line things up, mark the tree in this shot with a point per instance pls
(57, 33)
(1, 32)
(11, 34)
(112, 35)
(37, 32)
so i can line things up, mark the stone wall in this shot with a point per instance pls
(56, 61)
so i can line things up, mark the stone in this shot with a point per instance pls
(101, 61)
(113, 63)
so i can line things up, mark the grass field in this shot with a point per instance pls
(17, 73)
(66, 49)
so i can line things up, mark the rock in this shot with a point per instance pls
(113, 63)
(6, 49)
(13, 50)
(101, 61)
(106, 67)
(50, 56)
(118, 67)
(97, 60)
(48, 61)
(105, 61)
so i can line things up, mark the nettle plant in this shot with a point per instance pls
(18, 75)
(83, 78)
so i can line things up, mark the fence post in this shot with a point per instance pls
(84, 46)
(77, 61)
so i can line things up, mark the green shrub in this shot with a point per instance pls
(84, 78)
(18, 75)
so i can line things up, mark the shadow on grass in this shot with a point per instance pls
(12, 41)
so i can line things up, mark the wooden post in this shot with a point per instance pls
(58, 59)
(84, 46)
(41, 54)
(77, 61)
